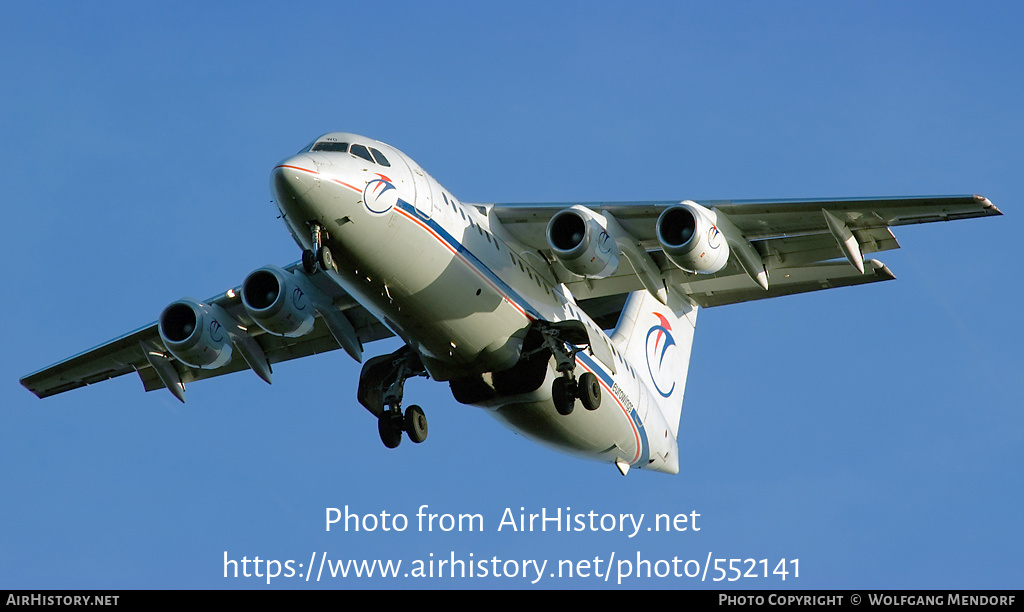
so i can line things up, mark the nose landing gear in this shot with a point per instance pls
(319, 255)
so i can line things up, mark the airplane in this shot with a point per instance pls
(571, 323)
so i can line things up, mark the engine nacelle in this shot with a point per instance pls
(193, 335)
(276, 302)
(578, 238)
(690, 238)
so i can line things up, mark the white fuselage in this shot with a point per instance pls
(459, 290)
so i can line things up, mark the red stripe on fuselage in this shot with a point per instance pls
(296, 168)
(352, 187)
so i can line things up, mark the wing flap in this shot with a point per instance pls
(810, 248)
(708, 292)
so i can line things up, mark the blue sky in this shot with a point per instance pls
(872, 433)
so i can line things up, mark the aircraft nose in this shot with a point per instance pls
(293, 178)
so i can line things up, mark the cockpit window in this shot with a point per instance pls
(339, 147)
(360, 151)
(330, 144)
(379, 157)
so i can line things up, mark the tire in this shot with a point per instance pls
(590, 391)
(308, 261)
(390, 435)
(563, 396)
(325, 259)
(416, 424)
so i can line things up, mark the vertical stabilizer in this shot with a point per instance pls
(656, 338)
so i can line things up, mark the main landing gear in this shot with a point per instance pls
(381, 385)
(319, 255)
(564, 341)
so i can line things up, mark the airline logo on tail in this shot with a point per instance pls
(659, 343)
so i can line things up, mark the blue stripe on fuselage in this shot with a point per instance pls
(472, 259)
(512, 296)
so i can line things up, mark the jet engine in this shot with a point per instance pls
(690, 238)
(276, 302)
(193, 335)
(578, 238)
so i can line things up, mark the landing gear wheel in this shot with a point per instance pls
(563, 395)
(381, 385)
(589, 391)
(325, 259)
(390, 433)
(415, 424)
(308, 261)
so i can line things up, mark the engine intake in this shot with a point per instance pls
(276, 302)
(691, 240)
(578, 238)
(193, 335)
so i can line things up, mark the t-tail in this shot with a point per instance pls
(657, 338)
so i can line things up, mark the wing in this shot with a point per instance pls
(143, 351)
(797, 245)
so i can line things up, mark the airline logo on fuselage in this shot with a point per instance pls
(659, 342)
(380, 195)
